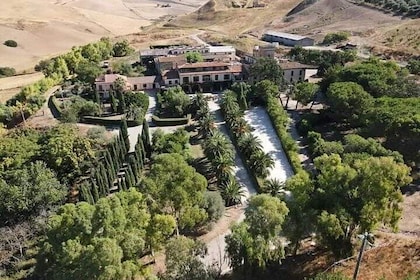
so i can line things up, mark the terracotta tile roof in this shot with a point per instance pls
(170, 74)
(142, 80)
(178, 58)
(295, 65)
(203, 64)
(109, 78)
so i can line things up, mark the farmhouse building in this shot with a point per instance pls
(105, 83)
(287, 39)
(202, 76)
(294, 72)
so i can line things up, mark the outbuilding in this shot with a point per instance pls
(287, 39)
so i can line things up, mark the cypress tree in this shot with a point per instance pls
(105, 177)
(100, 182)
(120, 187)
(131, 176)
(146, 139)
(86, 194)
(95, 191)
(124, 184)
(121, 102)
(115, 155)
(113, 102)
(124, 134)
(97, 98)
(111, 165)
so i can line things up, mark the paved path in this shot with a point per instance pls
(43, 117)
(216, 246)
(259, 120)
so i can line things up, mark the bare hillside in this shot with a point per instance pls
(44, 28)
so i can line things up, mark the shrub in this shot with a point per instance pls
(7, 71)
(214, 205)
(11, 43)
(332, 38)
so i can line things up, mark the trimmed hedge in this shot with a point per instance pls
(280, 121)
(170, 121)
(108, 122)
(91, 119)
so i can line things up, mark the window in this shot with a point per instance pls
(206, 78)
(101, 88)
(176, 82)
(135, 87)
(144, 85)
(291, 79)
(216, 77)
(196, 79)
(300, 72)
(170, 82)
(111, 86)
(227, 77)
(292, 72)
(185, 80)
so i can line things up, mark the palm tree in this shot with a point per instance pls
(248, 144)
(232, 117)
(198, 102)
(232, 192)
(223, 166)
(240, 127)
(260, 163)
(217, 145)
(229, 102)
(274, 187)
(207, 125)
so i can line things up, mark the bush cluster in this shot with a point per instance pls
(11, 43)
(7, 72)
(332, 38)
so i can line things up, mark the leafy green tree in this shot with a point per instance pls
(66, 152)
(299, 222)
(357, 198)
(255, 244)
(214, 205)
(305, 93)
(266, 69)
(183, 260)
(91, 53)
(175, 184)
(263, 90)
(173, 102)
(193, 57)
(87, 72)
(122, 48)
(29, 191)
(348, 100)
(176, 142)
(18, 148)
(101, 241)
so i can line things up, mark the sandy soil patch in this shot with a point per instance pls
(45, 28)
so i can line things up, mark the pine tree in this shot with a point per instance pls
(124, 134)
